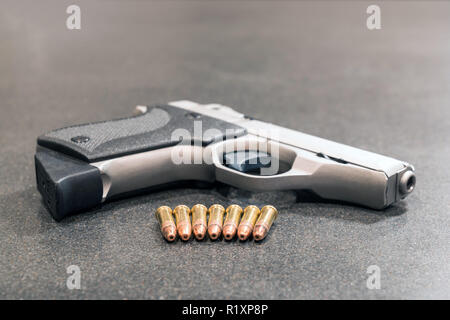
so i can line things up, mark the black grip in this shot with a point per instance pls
(152, 130)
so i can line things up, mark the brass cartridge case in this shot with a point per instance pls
(268, 215)
(165, 219)
(251, 214)
(215, 222)
(231, 223)
(183, 220)
(199, 225)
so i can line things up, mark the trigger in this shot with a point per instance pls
(247, 161)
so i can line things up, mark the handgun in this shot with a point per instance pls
(80, 167)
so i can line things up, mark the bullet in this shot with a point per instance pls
(268, 215)
(199, 212)
(215, 222)
(165, 219)
(231, 223)
(245, 229)
(184, 227)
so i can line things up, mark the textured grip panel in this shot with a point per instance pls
(153, 130)
(100, 133)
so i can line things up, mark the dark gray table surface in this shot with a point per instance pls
(313, 67)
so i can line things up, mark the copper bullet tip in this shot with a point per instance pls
(229, 232)
(214, 231)
(244, 232)
(199, 231)
(170, 233)
(184, 231)
(259, 233)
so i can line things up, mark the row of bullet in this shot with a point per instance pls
(253, 221)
